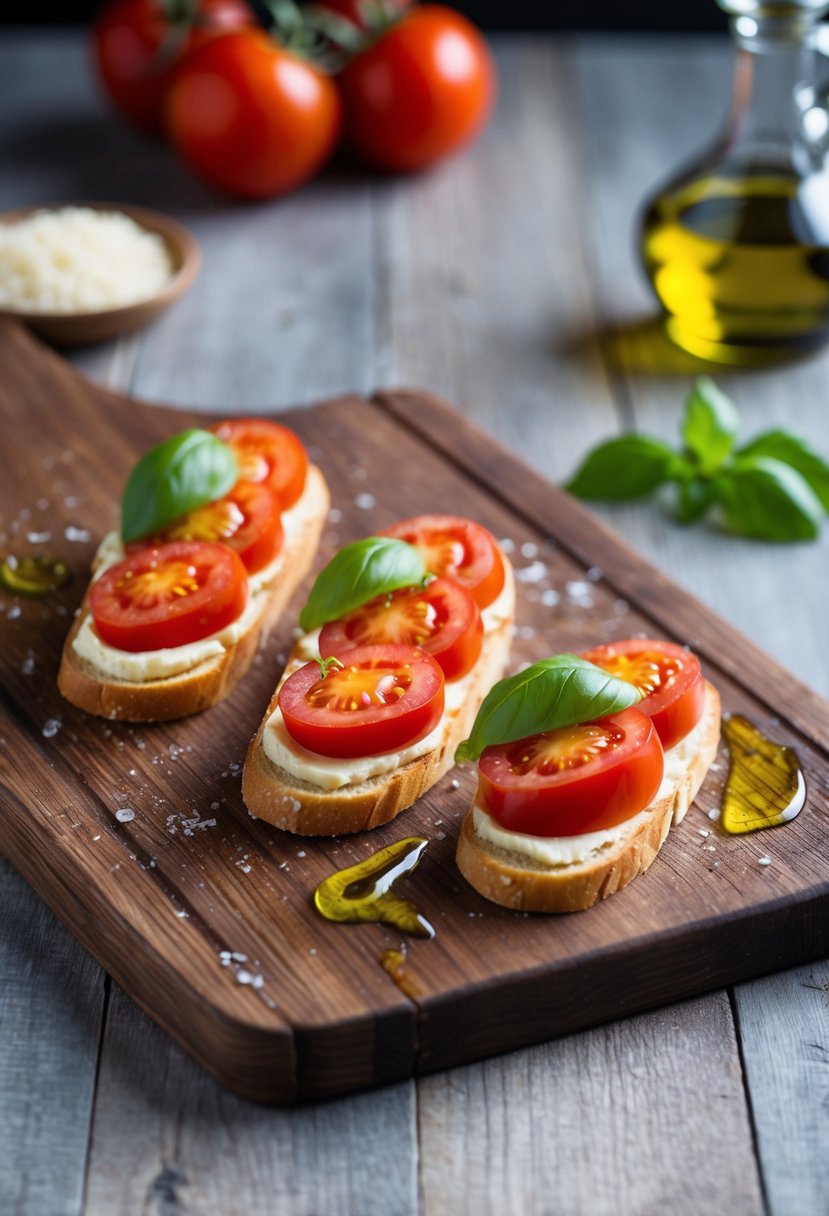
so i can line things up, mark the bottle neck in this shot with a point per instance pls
(774, 73)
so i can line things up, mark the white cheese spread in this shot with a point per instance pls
(332, 774)
(142, 666)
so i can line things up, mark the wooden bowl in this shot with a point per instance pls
(85, 328)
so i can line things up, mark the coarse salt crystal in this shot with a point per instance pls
(764, 861)
(365, 501)
(125, 814)
(51, 727)
(536, 572)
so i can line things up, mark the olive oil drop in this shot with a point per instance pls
(737, 246)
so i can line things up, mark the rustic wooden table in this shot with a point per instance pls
(507, 281)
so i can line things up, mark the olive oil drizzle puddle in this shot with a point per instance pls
(395, 962)
(765, 784)
(363, 893)
(33, 575)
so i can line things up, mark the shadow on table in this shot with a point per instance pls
(639, 346)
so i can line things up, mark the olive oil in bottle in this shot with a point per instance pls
(736, 246)
(741, 265)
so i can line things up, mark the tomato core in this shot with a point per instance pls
(247, 519)
(379, 699)
(456, 548)
(578, 779)
(441, 618)
(168, 595)
(668, 676)
(267, 454)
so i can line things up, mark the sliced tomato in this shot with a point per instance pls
(247, 519)
(384, 698)
(169, 595)
(267, 453)
(457, 548)
(574, 780)
(668, 676)
(441, 618)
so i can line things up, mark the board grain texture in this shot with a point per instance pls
(158, 899)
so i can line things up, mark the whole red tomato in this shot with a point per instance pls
(136, 44)
(422, 90)
(250, 117)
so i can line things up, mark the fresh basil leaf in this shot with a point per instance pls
(357, 574)
(628, 467)
(559, 691)
(710, 425)
(174, 477)
(766, 499)
(796, 452)
(694, 498)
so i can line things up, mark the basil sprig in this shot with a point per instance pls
(357, 574)
(556, 692)
(174, 477)
(776, 487)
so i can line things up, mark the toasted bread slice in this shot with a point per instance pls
(206, 682)
(296, 804)
(589, 871)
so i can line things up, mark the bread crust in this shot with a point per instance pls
(515, 881)
(203, 686)
(273, 794)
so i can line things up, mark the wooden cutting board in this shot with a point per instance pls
(204, 915)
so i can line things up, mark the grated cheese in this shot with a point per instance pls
(76, 259)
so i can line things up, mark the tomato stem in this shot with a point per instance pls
(332, 663)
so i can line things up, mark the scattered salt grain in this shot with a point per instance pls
(594, 574)
(620, 607)
(550, 598)
(81, 535)
(580, 591)
(42, 504)
(714, 813)
(365, 501)
(456, 785)
(38, 538)
(214, 806)
(125, 814)
(51, 727)
(703, 831)
(764, 861)
(536, 572)
(507, 544)
(71, 501)
(529, 549)
(225, 958)
(440, 835)
(14, 612)
(181, 914)
(526, 632)
(28, 665)
(335, 515)
(301, 853)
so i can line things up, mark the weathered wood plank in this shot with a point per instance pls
(774, 593)
(167, 1139)
(483, 273)
(642, 1116)
(783, 1023)
(51, 1008)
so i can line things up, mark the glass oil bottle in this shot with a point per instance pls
(737, 245)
